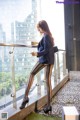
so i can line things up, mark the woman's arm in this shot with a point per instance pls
(46, 44)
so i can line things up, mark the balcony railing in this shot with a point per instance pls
(16, 63)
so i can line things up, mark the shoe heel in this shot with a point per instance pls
(25, 101)
(48, 109)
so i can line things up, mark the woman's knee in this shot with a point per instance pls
(32, 74)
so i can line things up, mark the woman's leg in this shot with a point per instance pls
(35, 70)
(48, 80)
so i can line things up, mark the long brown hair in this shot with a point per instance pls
(44, 26)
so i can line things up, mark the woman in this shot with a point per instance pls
(45, 54)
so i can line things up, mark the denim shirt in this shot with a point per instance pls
(45, 50)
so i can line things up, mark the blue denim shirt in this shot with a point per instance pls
(45, 50)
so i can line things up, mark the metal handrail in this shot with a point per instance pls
(17, 45)
(61, 50)
(22, 45)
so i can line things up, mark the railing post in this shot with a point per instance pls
(58, 66)
(45, 86)
(55, 71)
(4, 102)
(38, 84)
(13, 79)
(64, 63)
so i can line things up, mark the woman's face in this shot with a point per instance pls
(40, 30)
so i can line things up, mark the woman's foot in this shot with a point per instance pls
(47, 109)
(25, 101)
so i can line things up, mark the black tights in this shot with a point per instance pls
(48, 73)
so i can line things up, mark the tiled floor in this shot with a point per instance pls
(69, 95)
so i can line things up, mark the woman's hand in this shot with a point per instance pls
(34, 53)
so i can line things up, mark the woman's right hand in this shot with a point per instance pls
(34, 53)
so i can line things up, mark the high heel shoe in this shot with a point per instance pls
(25, 101)
(47, 109)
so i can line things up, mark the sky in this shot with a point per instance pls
(11, 10)
(54, 13)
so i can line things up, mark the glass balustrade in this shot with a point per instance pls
(16, 63)
(15, 67)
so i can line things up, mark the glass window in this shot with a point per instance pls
(53, 13)
(18, 19)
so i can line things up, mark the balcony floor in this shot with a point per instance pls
(68, 95)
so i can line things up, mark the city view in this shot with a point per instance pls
(18, 19)
(21, 22)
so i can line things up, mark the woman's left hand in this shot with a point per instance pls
(34, 53)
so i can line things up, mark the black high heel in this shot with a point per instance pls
(25, 101)
(47, 109)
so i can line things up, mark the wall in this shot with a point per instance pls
(72, 35)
